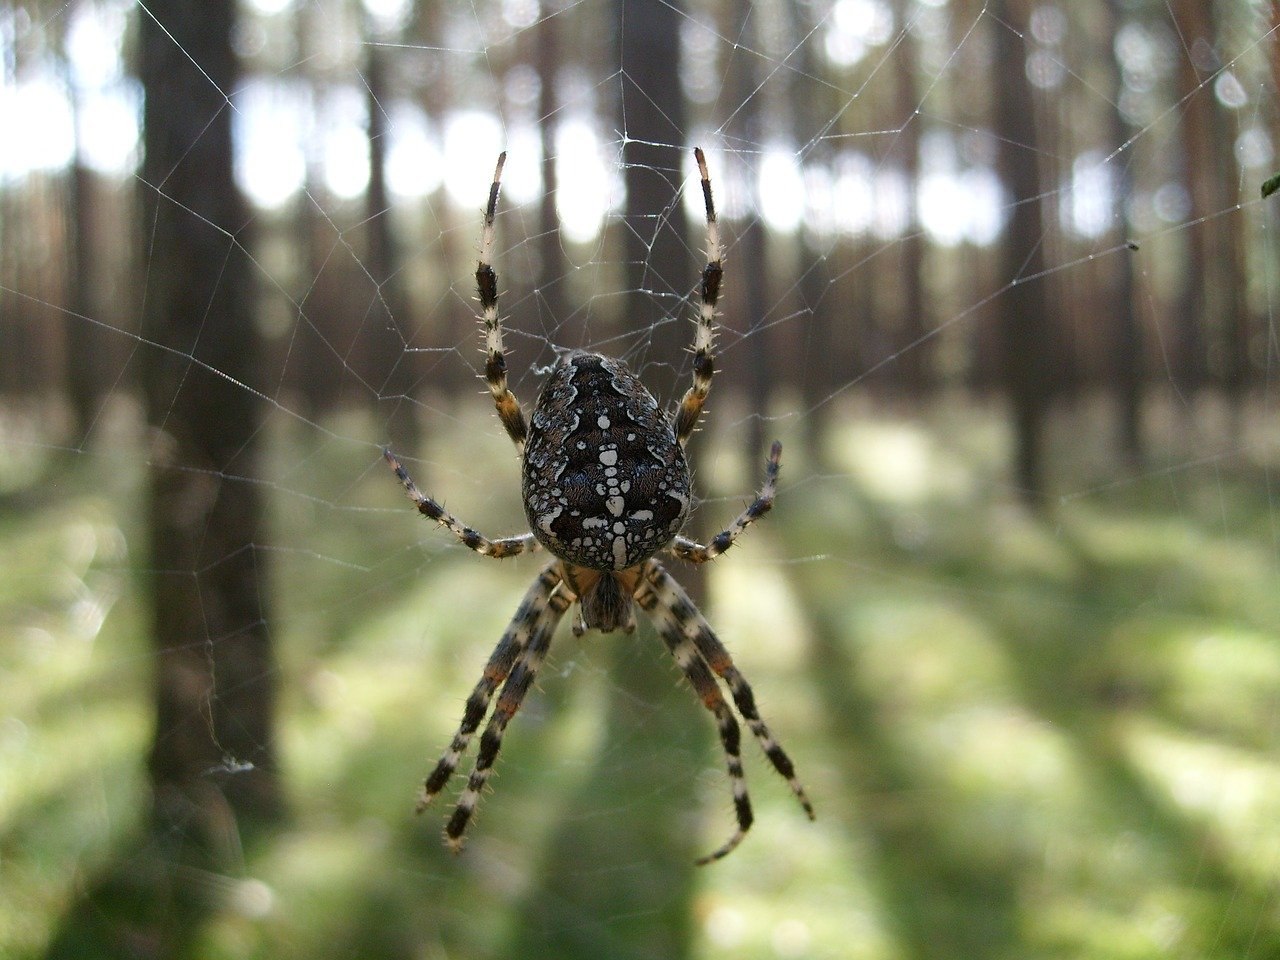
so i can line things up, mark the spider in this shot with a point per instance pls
(606, 487)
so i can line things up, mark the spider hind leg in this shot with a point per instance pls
(514, 690)
(699, 653)
(505, 655)
(511, 669)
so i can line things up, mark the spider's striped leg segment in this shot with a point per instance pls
(495, 366)
(530, 616)
(695, 552)
(686, 417)
(506, 547)
(696, 671)
(513, 693)
(673, 606)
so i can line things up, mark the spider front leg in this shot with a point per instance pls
(495, 366)
(690, 408)
(506, 547)
(695, 552)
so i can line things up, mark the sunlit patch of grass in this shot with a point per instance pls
(73, 722)
(1233, 794)
(905, 461)
(987, 654)
(742, 924)
(72, 796)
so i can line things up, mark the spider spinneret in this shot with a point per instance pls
(606, 487)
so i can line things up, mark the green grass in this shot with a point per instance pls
(1025, 737)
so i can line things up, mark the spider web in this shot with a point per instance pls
(914, 633)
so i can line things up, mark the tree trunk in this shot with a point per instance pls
(652, 119)
(915, 348)
(213, 762)
(748, 292)
(1127, 338)
(393, 365)
(86, 346)
(1025, 331)
(1197, 306)
(552, 278)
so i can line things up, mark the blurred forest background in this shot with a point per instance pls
(999, 274)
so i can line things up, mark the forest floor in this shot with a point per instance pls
(1030, 736)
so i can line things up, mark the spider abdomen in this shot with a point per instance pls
(606, 484)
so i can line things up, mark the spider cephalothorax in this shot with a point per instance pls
(606, 487)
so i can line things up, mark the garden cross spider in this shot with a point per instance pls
(605, 487)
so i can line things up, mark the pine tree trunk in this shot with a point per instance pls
(1025, 330)
(212, 762)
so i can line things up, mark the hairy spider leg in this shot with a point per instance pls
(695, 552)
(704, 684)
(529, 616)
(675, 608)
(512, 696)
(505, 547)
(495, 366)
(709, 296)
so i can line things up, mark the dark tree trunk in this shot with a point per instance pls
(213, 762)
(1127, 337)
(1025, 330)
(817, 372)
(552, 276)
(316, 372)
(86, 346)
(1195, 304)
(652, 118)
(1214, 314)
(915, 349)
(393, 366)
(748, 293)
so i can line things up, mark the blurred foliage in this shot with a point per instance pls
(1026, 737)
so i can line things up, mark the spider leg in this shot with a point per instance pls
(695, 552)
(670, 598)
(517, 685)
(495, 367)
(505, 547)
(704, 684)
(527, 620)
(686, 417)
